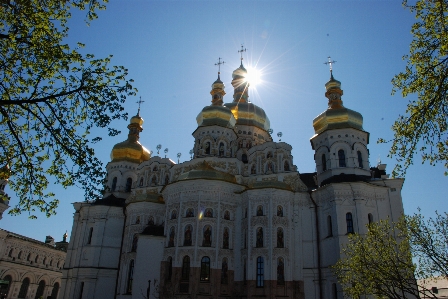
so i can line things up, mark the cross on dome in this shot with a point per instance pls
(139, 102)
(330, 63)
(219, 65)
(241, 51)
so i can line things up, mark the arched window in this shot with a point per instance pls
(244, 158)
(186, 268)
(36, 259)
(154, 180)
(10, 252)
(24, 288)
(89, 239)
(280, 271)
(260, 272)
(341, 156)
(259, 242)
(173, 214)
(349, 220)
(28, 258)
(370, 218)
(329, 227)
(40, 289)
(188, 235)
(286, 166)
(170, 268)
(360, 164)
(334, 290)
(260, 211)
(224, 268)
(7, 278)
(151, 221)
(114, 184)
(205, 269)
(167, 179)
(280, 238)
(130, 277)
(55, 291)
(207, 240)
(208, 213)
(279, 211)
(207, 148)
(225, 238)
(155, 168)
(227, 215)
(128, 185)
(190, 213)
(44, 261)
(19, 256)
(324, 162)
(141, 182)
(134, 243)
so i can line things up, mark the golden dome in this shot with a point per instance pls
(131, 149)
(336, 116)
(137, 120)
(249, 114)
(216, 115)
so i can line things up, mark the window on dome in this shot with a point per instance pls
(221, 149)
(128, 185)
(349, 221)
(360, 164)
(114, 183)
(341, 156)
(207, 148)
(89, 238)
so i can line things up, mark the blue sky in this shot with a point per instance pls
(170, 48)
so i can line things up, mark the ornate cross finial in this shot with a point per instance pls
(241, 51)
(219, 65)
(330, 63)
(139, 102)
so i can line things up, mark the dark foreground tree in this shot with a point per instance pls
(423, 129)
(51, 98)
(381, 262)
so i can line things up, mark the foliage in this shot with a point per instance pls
(51, 98)
(381, 262)
(424, 127)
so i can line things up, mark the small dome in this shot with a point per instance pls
(216, 115)
(131, 149)
(239, 72)
(249, 114)
(336, 116)
(337, 119)
(136, 120)
(218, 84)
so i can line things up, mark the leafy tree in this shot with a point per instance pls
(51, 98)
(424, 127)
(380, 263)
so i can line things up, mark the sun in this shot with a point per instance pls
(253, 76)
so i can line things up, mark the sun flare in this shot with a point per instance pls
(253, 76)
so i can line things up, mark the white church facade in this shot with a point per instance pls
(236, 221)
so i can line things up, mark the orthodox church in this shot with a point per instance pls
(236, 221)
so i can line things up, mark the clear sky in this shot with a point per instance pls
(170, 48)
